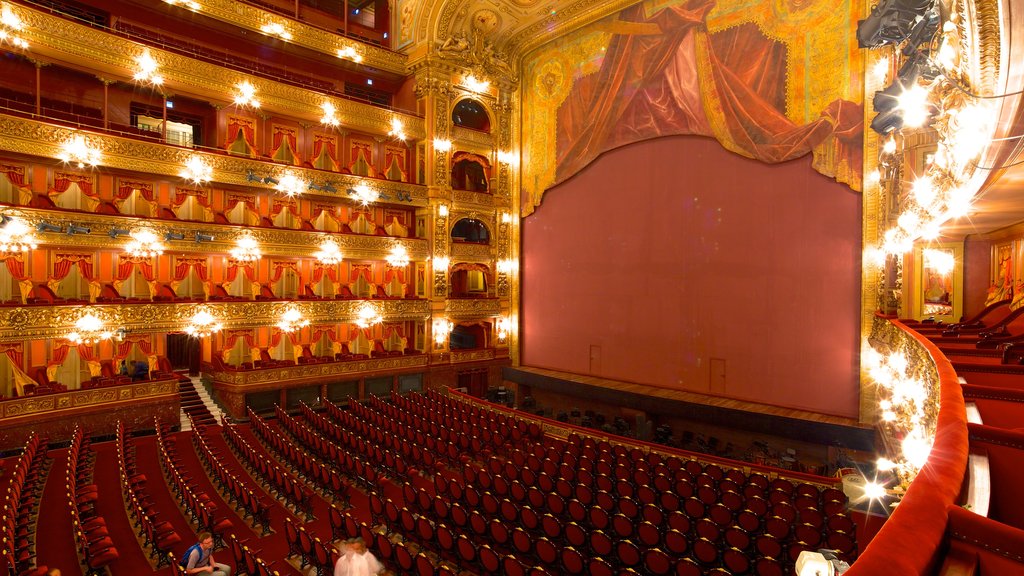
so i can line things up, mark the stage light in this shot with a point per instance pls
(891, 22)
(76, 229)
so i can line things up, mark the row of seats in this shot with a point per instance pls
(95, 547)
(21, 506)
(158, 535)
(197, 505)
(286, 487)
(459, 444)
(309, 549)
(246, 560)
(237, 491)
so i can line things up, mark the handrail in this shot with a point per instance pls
(547, 424)
(909, 542)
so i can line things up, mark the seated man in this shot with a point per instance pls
(198, 559)
(140, 370)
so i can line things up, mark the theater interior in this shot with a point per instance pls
(518, 287)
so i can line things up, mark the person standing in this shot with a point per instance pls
(199, 558)
(356, 560)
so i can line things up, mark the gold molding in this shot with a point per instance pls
(462, 252)
(36, 405)
(20, 323)
(458, 356)
(292, 376)
(472, 308)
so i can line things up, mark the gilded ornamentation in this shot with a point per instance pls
(474, 137)
(466, 197)
(472, 308)
(471, 355)
(302, 374)
(34, 138)
(40, 322)
(35, 405)
(471, 253)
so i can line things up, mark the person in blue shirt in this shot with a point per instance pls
(199, 558)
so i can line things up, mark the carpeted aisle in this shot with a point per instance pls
(55, 539)
(131, 557)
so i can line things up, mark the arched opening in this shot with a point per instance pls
(469, 281)
(470, 230)
(468, 337)
(471, 114)
(470, 172)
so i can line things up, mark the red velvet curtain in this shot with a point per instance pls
(320, 142)
(15, 264)
(283, 135)
(397, 156)
(320, 330)
(14, 351)
(126, 264)
(391, 272)
(390, 329)
(282, 203)
(59, 352)
(183, 193)
(654, 83)
(320, 269)
(246, 126)
(363, 271)
(234, 265)
(63, 180)
(126, 188)
(362, 150)
(234, 199)
(280, 267)
(483, 268)
(275, 338)
(232, 336)
(125, 347)
(16, 175)
(183, 265)
(64, 262)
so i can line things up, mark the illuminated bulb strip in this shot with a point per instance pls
(365, 195)
(397, 129)
(368, 316)
(398, 258)
(292, 320)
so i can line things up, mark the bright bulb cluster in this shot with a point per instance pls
(365, 195)
(349, 53)
(398, 257)
(442, 327)
(368, 316)
(11, 27)
(276, 29)
(202, 325)
(292, 320)
(144, 244)
(16, 236)
(147, 69)
(397, 129)
(245, 95)
(329, 253)
(290, 185)
(246, 250)
(330, 117)
(196, 170)
(89, 330)
(80, 152)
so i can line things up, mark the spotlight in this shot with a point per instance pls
(891, 22)
(923, 31)
(115, 232)
(76, 229)
(251, 176)
(915, 67)
(174, 236)
(271, 180)
(47, 227)
(887, 122)
(201, 237)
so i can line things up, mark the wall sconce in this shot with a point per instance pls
(144, 244)
(203, 324)
(442, 210)
(398, 257)
(276, 29)
(349, 53)
(196, 170)
(477, 84)
(246, 94)
(174, 236)
(506, 265)
(10, 26)
(506, 218)
(441, 328)
(441, 264)
(504, 327)
(329, 253)
(16, 236)
(442, 145)
(510, 158)
(397, 129)
(290, 185)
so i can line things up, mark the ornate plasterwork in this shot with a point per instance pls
(477, 199)
(39, 322)
(288, 376)
(106, 51)
(471, 253)
(471, 355)
(472, 308)
(36, 405)
(462, 135)
(34, 138)
(251, 17)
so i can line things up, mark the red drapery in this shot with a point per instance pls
(284, 136)
(15, 174)
(248, 267)
(319, 269)
(396, 156)
(674, 78)
(361, 270)
(390, 329)
(280, 266)
(231, 337)
(63, 180)
(184, 264)
(246, 125)
(326, 143)
(15, 351)
(181, 194)
(63, 263)
(126, 263)
(126, 188)
(320, 330)
(474, 266)
(392, 272)
(281, 203)
(15, 264)
(362, 151)
(234, 199)
(125, 347)
(275, 337)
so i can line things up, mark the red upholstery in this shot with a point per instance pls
(994, 547)
(109, 294)
(1005, 450)
(164, 293)
(999, 407)
(42, 294)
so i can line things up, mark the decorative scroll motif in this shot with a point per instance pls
(34, 138)
(483, 139)
(504, 139)
(471, 253)
(471, 355)
(302, 373)
(109, 50)
(440, 251)
(467, 197)
(40, 322)
(36, 405)
(472, 308)
(476, 53)
(273, 241)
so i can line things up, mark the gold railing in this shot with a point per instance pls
(37, 406)
(283, 376)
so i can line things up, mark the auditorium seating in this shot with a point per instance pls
(95, 546)
(24, 481)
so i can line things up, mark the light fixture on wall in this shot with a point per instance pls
(398, 257)
(190, 4)
(509, 158)
(276, 29)
(79, 151)
(364, 194)
(89, 329)
(196, 170)
(144, 244)
(367, 316)
(441, 328)
(504, 326)
(292, 320)
(329, 253)
(506, 265)
(442, 145)
(245, 94)
(350, 53)
(73, 229)
(146, 69)
(16, 236)
(289, 184)
(246, 249)
(441, 263)
(330, 116)
(203, 324)
(11, 27)
(397, 129)
(477, 84)
(201, 237)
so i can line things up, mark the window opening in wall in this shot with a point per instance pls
(470, 230)
(471, 114)
(177, 133)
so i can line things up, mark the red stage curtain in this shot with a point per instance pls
(673, 78)
(320, 330)
(246, 126)
(63, 180)
(16, 175)
(234, 199)
(63, 263)
(362, 150)
(15, 264)
(281, 203)
(285, 137)
(320, 269)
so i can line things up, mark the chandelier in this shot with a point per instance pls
(78, 150)
(246, 249)
(196, 170)
(367, 316)
(10, 26)
(202, 325)
(330, 116)
(15, 236)
(144, 244)
(292, 320)
(442, 327)
(276, 29)
(246, 94)
(147, 69)
(364, 194)
(89, 330)
(398, 258)
(349, 53)
(329, 253)
(397, 129)
(290, 185)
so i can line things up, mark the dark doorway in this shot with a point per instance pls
(474, 381)
(184, 353)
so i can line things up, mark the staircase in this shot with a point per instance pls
(197, 403)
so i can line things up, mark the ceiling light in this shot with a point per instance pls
(246, 94)
(364, 194)
(79, 151)
(147, 69)
(89, 330)
(290, 185)
(367, 316)
(203, 324)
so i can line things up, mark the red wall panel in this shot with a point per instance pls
(669, 256)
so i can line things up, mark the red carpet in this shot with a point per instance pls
(55, 540)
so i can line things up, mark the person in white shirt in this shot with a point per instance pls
(356, 560)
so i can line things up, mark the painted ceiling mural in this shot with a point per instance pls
(769, 79)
